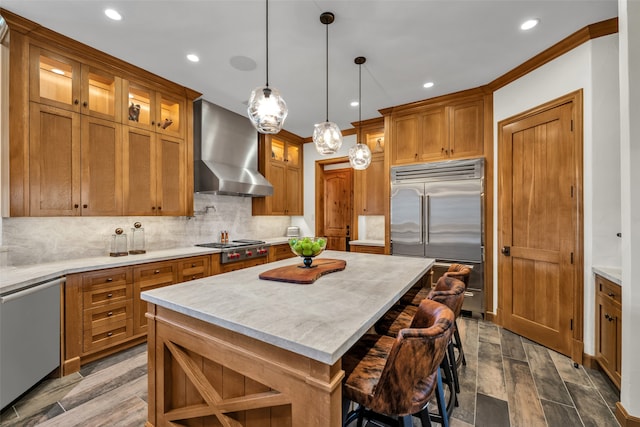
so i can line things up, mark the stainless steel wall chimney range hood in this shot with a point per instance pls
(225, 153)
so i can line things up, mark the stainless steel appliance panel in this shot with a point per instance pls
(29, 338)
(407, 219)
(453, 220)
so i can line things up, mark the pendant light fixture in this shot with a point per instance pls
(327, 136)
(360, 154)
(267, 110)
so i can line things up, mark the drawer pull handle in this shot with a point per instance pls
(156, 272)
(110, 313)
(611, 294)
(193, 265)
(110, 279)
(109, 295)
(193, 277)
(109, 334)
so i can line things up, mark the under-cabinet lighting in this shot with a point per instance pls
(57, 71)
(529, 24)
(354, 103)
(427, 85)
(193, 57)
(113, 14)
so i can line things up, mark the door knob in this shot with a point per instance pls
(506, 250)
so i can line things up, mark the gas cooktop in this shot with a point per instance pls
(238, 250)
(232, 244)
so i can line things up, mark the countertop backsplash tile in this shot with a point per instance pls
(30, 240)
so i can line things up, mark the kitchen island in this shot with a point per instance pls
(234, 350)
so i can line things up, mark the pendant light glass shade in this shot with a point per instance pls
(267, 110)
(360, 154)
(327, 136)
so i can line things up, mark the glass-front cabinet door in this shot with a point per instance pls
(140, 102)
(101, 92)
(54, 79)
(170, 115)
(62, 82)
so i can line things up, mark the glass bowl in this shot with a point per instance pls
(307, 248)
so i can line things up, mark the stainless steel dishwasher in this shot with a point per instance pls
(29, 337)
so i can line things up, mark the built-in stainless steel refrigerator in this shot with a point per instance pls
(437, 212)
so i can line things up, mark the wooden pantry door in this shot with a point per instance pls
(539, 225)
(337, 207)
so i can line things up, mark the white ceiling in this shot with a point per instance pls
(454, 43)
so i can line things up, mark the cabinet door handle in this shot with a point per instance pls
(76, 206)
(159, 208)
(85, 206)
(452, 151)
(84, 104)
(153, 123)
(76, 102)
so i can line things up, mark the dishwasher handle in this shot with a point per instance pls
(32, 289)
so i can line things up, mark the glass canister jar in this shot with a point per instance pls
(137, 239)
(118, 243)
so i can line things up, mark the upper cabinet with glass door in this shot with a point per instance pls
(152, 110)
(68, 84)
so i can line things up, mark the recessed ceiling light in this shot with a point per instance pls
(113, 14)
(428, 85)
(354, 103)
(193, 57)
(57, 71)
(529, 24)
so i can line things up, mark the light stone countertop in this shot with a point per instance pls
(18, 277)
(321, 320)
(365, 242)
(610, 273)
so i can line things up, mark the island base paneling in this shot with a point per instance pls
(201, 373)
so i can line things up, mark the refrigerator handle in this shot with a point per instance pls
(427, 215)
(422, 220)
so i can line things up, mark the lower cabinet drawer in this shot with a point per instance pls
(104, 326)
(193, 268)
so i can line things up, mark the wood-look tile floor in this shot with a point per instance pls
(508, 381)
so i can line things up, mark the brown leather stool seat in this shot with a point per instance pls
(459, 271)
(393, 378)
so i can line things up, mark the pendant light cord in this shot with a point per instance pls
(359, 102)
(327, 69)
(267, 41)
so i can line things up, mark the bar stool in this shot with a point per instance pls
(450, 292)
(459, 271)
(392, 379)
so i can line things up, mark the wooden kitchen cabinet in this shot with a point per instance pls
(70, 119)
(145, 278)
(446, 130)
(76, 164)
(153, 110)
(609, 328)
(154, 173)
(103, 311)
(65, 83)
(279, 252)
(280, 160)
(370, 184)
(367, 249)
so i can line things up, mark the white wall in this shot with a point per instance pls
(593, 67)
(629, 27)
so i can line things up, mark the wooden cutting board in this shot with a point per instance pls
(305, 276)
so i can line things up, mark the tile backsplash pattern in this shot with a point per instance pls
(43, 239)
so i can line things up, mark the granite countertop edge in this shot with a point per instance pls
(610, 273)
